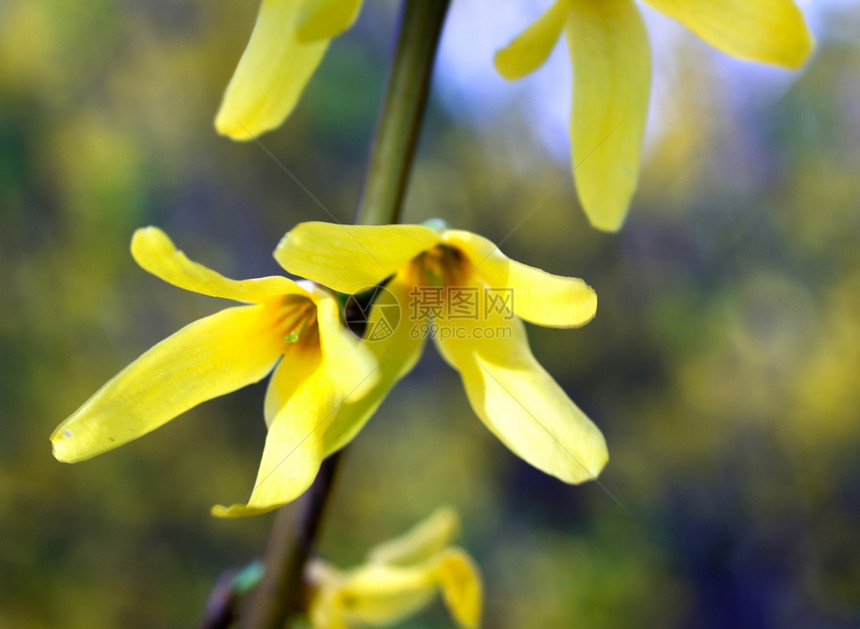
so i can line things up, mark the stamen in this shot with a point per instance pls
(302, 326)
(295, 316)
(442, 266)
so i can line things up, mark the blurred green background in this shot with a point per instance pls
(723, 365)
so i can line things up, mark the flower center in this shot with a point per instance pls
(296, 319)
(440, 266)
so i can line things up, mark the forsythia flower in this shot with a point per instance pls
(609, 54)
(611, 63)
(295, 326)
(513, 395)
(399, 578)
(288, 43)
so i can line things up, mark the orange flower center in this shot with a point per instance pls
(442, 265)
(295, 319)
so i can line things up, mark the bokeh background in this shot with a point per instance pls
(723, 365)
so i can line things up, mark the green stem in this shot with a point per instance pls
(402, 112)
(291, 544)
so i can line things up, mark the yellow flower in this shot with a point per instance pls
(298, 324)
(288, 43)
(399, 578)
(511, 393)
(611, 63)
(609, 53)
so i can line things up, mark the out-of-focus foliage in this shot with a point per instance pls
(722, 365)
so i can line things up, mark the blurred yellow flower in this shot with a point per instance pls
(611, 63)
(288, 43)
(609, 54)
(399, 578)
(460, 289)
(298, 324)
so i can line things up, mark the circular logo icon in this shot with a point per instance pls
(373, 314)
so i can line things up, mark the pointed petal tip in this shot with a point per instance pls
(59, 447)
(146, 231)
(68, 450)
(462, 589)
(505, 67)
(530, 49)
(611, 59)
(595, 463)
(239, 511)
(233, 129)
(804, 51)
(774, 32)
(796, 39)
(220, 511)
(610, 221)
(588, 306)
(606, 190)
(581, 304)
(147, 239)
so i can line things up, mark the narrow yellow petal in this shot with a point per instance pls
(208, 358)
(298, 361)
(324, 581)
(271, 75)
(350, 258)
(423, 541)
(536, 296)
(530, 49)
(156, 253)
(352, 367)
(293, 451)
(612, 80)
(518, 401)
(396, 355)
(326, 19)
(768, 31)
(381, 595)
(460, 582)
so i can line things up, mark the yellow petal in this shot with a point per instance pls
(460, 581)
(208, 358)
(326, 19)
(292, 371)
(271, 75)
(530, 49)
(293, 451)
(155, 253)
(324, 581)
(536, 296)
(351, 258)
(611, 86)
(396, 355)
(380, 595)
(423, 541)
(769, 31)
(352, 367)
(518, 401)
